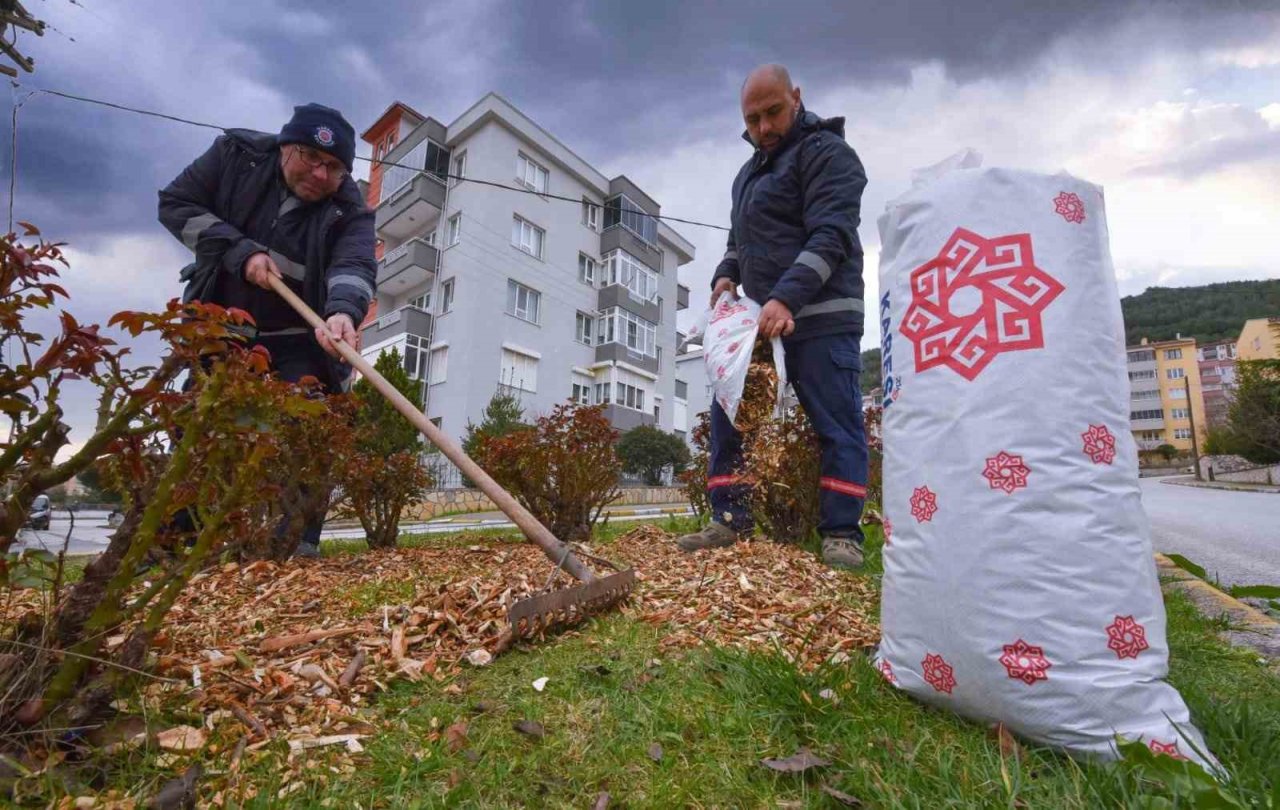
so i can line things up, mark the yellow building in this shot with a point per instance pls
(1259, 340)
(1159, 412)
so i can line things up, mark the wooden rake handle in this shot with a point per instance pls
(557, 551)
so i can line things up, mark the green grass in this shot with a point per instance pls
(613, 693)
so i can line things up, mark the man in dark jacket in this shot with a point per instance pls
(793, 247)
(257, 205)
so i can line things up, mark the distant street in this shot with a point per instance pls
(1233, 535)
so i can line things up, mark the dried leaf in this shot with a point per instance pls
(655, 752)
(799, 762)
(179, 793)
(842, 797)
(455, 736)
(530, 728)
(602, 801)
(479, 658)
(1009, 745)
(540, 684)
(181, 738)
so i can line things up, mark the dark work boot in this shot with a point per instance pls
(715, 535)
(842, 552)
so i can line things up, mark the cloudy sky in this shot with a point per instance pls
(1173, 107)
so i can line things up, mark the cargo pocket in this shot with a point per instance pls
(849, 368)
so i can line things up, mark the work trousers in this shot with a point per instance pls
(824, 372)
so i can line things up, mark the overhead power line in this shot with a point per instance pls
(384, 163)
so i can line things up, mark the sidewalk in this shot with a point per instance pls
(349, 530)
(1188, 481)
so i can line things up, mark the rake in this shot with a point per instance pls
(533, 614)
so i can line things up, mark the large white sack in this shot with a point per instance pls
(1019, 581)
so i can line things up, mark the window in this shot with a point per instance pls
(620, 210)
(1178, 393)
(522, 301)
(659, 356)
(581, 393)
(1175, 373)
(1257, 344)
(446, 297)
(590, 214)
(621, 268)
(1182, 433)
(682, 389)
(620, 326)
(455, 229)
(439, 365)
(415, 357)
(657, 412)
(1149, 374)
(527, 237)
(586, 269)
(427, 156)
(630, 396)
(519, 371)
(1173, 354)
(530, 174)
(459, 167)
(1179, 413)
(1136, 415)
(584, 328)
(1143, 356)
(422, 302)
(1152, 394)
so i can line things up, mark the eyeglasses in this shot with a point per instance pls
(317, 160)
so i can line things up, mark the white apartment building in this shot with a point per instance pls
(693, 391)
(481, 286)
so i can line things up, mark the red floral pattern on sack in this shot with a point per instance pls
(1069, 205)
(1099, 444)
(938, 673)
(1025, 663)
(1007, 472)
(1169, 749)
(886, 669)
(1126, 637)
(1012, 294)
(924, 504)
(888, 531)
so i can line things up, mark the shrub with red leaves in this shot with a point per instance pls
(564, 469)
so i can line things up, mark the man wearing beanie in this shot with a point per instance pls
(257, 205)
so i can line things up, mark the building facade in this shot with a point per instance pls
(1165, 393)
(484, 288)
(1217, 363)
(1259, 340)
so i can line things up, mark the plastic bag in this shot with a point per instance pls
(1019, 582)
(728, 333)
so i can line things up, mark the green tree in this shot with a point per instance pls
(502, 416)
(380, 429)
(647, 451)
(1254, 417)
(870, 377)
(1167, 451)
(385, 473)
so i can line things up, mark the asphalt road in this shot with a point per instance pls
(1233, 535)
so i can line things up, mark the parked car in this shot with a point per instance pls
(41, 511)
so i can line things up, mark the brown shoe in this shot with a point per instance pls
(842, 552)
(715, 535)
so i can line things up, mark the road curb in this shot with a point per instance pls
(1251, 627)
(681, 510)
(1261, 489)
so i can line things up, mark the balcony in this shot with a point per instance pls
(619, 353)
(624, 418)
(616, 295)
(620, 236)
(410, 265)
(682, 297)
(1148, 444)
(403, 321)
(1147, 424)
(410, 210)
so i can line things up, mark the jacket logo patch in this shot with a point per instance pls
(324, 136)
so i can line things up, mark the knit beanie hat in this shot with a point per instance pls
(322, 128)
